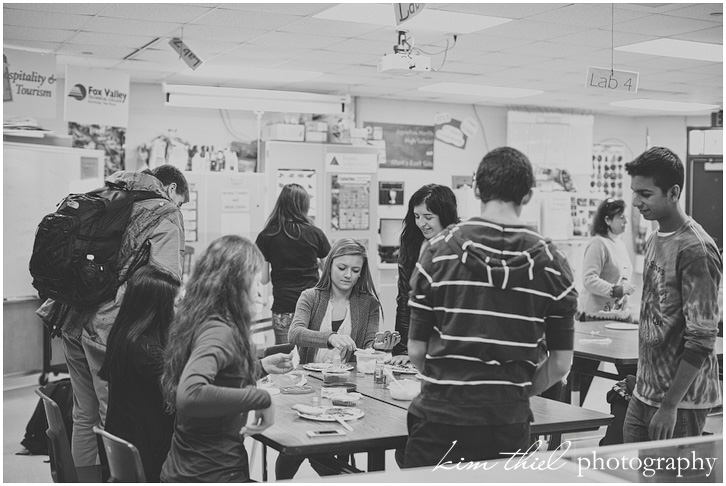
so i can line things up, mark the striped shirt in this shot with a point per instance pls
(490, 300)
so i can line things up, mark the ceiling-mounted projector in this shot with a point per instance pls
(403, 62)
(406, 64)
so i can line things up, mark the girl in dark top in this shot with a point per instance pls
(430, 209)
(210, 369)
(293, 246)
(133, 365)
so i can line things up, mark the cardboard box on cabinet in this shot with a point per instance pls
(316, 136)
(284, 131)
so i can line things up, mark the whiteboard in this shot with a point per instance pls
(555, 140)
(35, 179)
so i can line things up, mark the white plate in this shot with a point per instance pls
(404, 369)
(325, 366)
(345, 413)
(293, 378)
(622, 326)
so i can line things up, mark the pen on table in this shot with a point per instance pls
(342, 422)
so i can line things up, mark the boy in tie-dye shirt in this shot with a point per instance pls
(677, 381)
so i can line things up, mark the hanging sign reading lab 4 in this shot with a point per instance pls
(611, 80)
(406, 11)
(186, 54)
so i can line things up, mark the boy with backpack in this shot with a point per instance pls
(154, 234)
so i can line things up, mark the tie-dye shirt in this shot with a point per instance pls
(679, 316)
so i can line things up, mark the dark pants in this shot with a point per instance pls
(590, 366)
(430, 443)
(287, 466)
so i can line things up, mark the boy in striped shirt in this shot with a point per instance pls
(492, 313)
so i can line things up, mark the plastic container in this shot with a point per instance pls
(335, 376)
(404, 389)
(367, 360)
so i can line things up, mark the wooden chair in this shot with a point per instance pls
(124, 460)
(62, 467)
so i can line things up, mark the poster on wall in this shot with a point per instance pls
(350, 201)
(98, 137)
(608, 169)
(452, 131)
(305, 178)
(390, 193)
(235, 218)
(99, 96)
(29, 84)
(407, 146)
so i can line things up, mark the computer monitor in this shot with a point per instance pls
(390, 230)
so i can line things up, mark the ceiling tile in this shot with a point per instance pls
(503, 10)
(323, 67)
(303, 9)
(601, 38)
(577, 14)
(525, 29)
(489, 42)
(43, 20)
(131, 26)
(310, 25)
(662, 25)
(97, 38)
(713, 35)
(255, 51)
(322, 55)
(169, 12)
(67, 8)
(361, 46)
(701, 11)
(549, 49)
(500, 60)
(114, 52)
(11, 32)
(303, 41)
(218, 33)
(245, 19)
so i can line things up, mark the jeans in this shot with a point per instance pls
(689, 422)
(430, 443)
(90, 395)
(281, 325)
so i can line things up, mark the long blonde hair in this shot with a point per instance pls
(219, 288)
(345, 247)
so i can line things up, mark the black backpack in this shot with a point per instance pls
(76, 248)
(36, 440)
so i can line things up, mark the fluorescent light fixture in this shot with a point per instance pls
(427, 19)
(662, 105)
(480, 90)
(253, 74)
(253, 99)
(677, 48)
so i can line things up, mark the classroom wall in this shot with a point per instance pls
(149, 118)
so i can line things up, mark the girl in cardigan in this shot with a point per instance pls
(338, 315)
(341, 312)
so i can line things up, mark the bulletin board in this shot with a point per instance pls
(35, 179)
(407, 146)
